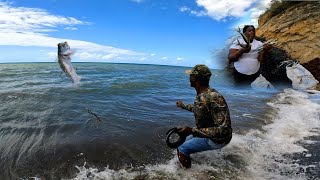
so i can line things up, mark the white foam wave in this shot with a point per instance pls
(271, 150)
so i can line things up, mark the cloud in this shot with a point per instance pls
(252, 15)
(71, 28)
(86, 56)
(31, 39)
(219, 10)
(110, 56)
(95, 56)
(184, 9)
(31, 27)
(196, 13)
(22, 19)
(259, 9)
(137, 1)
(52, 55)
(143, 59)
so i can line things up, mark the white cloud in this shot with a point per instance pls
(218, 9)
(137, 1)
(22, 19)
(110, 56)
(185, 9)
(143, 58)
(221, 9)
(21, 26)
(31, 39)
(196, 13)
(252, 15)
(71, 28)
(88, 56)
(92, 56)
(52, 55)
(179, 59)
(258, 10)
(199, 13)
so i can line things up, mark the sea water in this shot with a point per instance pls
(46, 131)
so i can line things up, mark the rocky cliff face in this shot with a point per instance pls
(296, 29)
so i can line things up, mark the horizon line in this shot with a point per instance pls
(29, 62)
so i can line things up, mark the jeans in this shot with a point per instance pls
(196, 144)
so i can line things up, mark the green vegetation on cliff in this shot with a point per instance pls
(278, 7)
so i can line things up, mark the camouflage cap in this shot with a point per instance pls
(199, 70)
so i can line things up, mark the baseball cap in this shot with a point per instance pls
(199, 70)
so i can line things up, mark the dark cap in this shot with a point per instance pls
(199, 70)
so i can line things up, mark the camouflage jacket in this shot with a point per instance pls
(212, 117)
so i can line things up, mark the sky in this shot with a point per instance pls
(165, 32)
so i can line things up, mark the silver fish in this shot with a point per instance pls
(64, 60)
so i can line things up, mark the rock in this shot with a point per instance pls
(273, 68)
(313, 67)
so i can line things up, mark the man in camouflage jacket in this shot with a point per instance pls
(213, 126)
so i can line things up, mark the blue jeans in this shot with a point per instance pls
(196, 144)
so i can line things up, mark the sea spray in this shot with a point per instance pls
(297, 118)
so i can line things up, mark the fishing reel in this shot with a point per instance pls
(179, 138)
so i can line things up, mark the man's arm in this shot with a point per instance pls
(188, 107)
(236, 51)
(262, 54)
(235, 54)
(210, 132)
(202, 132)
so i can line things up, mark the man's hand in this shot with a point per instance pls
(245, 50)
(185, 131)
(180, 104)
(267, 47)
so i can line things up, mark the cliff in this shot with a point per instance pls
(296, 28)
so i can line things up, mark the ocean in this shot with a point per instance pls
(46, 131)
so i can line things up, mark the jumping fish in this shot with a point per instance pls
(64, 60)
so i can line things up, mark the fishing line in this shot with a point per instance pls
(90, 112)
